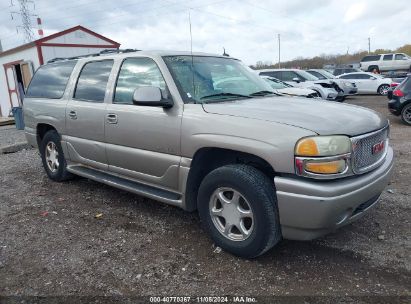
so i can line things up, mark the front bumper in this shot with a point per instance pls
(395, 106)
(353, 91)
(309, 209)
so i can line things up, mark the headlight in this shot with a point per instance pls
(323, 156)
(347, 84)
(323, 146)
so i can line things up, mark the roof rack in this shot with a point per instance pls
(118, 51)
(103, 52)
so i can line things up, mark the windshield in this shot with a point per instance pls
(307, 75)
(327, 74)
(210, 79)
(276, 84)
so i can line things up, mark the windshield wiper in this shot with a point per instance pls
(263, 93)
(225, 94)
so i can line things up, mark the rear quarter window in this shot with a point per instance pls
(371, 58)
(50, 80)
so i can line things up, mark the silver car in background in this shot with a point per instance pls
(347, 86)
(301, 79)
(283, 88)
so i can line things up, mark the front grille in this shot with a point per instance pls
(363, 157)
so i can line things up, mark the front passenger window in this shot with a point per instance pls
(135, 73)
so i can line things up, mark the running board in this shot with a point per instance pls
(157, 194)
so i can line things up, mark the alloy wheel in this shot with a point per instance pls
(231, 214)
(52, 156)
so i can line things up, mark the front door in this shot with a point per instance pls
(142, 142)
(85, 114)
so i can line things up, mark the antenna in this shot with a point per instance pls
(25, 15)
(191, 51)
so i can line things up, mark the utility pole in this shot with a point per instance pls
(279, 52)
(369, 45)
(25, 15)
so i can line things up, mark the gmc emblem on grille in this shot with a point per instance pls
(378, 147)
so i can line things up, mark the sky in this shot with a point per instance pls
(247, 29)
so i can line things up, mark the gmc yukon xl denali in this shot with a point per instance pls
(203, 132)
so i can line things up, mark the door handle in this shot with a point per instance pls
(73, 114)
(112, 118)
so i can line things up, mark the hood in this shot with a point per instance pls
(321, 117)
(295, 91)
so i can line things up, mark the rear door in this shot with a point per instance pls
(387, 62)
(85, 114)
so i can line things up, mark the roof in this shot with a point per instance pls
(47, 38)
(110, 54)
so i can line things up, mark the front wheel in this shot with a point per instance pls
(383, 89)
(406, 114)
(238, 208)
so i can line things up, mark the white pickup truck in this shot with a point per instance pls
(386, 62)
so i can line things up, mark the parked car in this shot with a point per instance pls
(386, 62)
(283, 88)
(258, 167)
(400, 102)
(348, 87)
(301, 79)
(368, 83)
(339, 71)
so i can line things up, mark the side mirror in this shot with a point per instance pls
(296, 79)
(150, 96)
(373, 78)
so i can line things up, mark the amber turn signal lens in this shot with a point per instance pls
(331, 167)
(307, 147)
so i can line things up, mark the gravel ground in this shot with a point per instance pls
(51, 242)
(10, 135)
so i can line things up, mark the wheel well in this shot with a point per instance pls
(207, 159)
(42, 129)
(372, 67)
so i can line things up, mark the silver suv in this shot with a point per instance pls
(386, 62)
(204, 132)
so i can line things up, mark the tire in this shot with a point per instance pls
(319, 94)
(383, 89)
(406, 114)
(57, 172)
(255, 190)
(372, 67)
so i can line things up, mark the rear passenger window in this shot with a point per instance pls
(50, 80)
(371, 58)
(92, 82)
(135, 73)
(387, 57)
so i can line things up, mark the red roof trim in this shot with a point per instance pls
(43, 40)
(19, 48)
(73, 29)
(104, 46)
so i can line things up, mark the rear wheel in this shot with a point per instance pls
(383, 89)
(371, 68)
(406, 114)
(53, 157)
(238, 208)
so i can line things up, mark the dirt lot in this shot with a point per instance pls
(52, 244)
